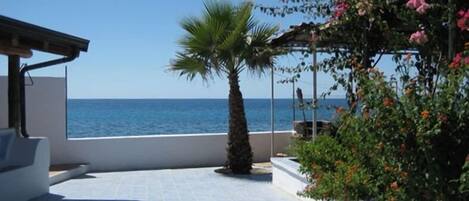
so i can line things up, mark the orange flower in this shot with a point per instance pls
(388, 102)
(443, 118)
(338, 162)
(380, 145)
(404, 174)
(394, 186)
(408, 91)
(314, 166)
(353, 149)
(366, 114)
(402, 148)
(403, 130)
(387, 168)
(360, 93)
(372, 70)
(425, 114)
(339, 110)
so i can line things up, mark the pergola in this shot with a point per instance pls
(18, 39)
(300, 38)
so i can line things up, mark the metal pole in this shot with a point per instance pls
(451, 29)
(293, 99)
(272, 111)
(315, 85)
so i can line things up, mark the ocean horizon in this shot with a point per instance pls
(104, 117)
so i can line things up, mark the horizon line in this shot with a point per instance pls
(185, 98)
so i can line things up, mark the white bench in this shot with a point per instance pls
(24, 166)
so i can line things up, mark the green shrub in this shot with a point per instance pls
(405, 145)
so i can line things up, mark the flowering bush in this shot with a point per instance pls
(405, 145)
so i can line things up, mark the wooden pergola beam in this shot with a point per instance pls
(21, 52)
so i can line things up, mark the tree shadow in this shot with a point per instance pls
(257, 174)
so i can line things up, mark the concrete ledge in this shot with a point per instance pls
(68, 173)
(285, 175)
(158, 152)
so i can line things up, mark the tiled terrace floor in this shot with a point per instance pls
(198, 184)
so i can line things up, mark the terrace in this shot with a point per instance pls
(201, 184)
(39, 162)
(106, 169)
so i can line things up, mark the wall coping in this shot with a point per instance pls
(171, 136)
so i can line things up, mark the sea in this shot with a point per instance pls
(132, 117)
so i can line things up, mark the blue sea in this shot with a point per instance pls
(127, 117)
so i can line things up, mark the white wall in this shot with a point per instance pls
(3, 102)
(46, 116)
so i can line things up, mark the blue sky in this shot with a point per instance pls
(132, 42)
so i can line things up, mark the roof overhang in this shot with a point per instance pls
(298, 37)
(20, 38)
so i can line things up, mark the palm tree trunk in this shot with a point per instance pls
(239, 149)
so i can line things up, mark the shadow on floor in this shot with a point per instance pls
(85, 176)
(55, 197)
(251, 177)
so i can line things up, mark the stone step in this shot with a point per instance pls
(60, 173)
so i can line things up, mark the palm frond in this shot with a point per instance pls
(240, 26)
(259, 55)
(216, 42)
(190, 66)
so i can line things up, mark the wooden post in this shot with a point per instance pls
(14, 93)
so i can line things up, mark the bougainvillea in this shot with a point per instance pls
(463, 21)
(419, 5)
(419, 38)
(409, 143)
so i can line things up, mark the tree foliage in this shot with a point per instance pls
(406, 144)
(225, 41)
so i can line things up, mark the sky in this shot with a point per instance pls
(132, 43)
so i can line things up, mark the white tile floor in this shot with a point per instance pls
(197, 184)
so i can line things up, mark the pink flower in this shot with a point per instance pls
(463, 14)
(414, 4)
(340, 9)
(422, 9)
(419, 37)
(463, 21)
(457, 58)
(419, 5)
(456, 61)
(466, 61)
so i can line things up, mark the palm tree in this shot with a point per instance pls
(225, 41)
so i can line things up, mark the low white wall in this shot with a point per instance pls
(164, 151)
(46, 116)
